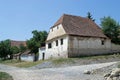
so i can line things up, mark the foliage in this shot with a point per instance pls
(15, 49)
(22, 48)
(5, 76)
(90, 16)
(5, 49)
(111, 29)
(37, 40)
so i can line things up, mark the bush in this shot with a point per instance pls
(5, 76)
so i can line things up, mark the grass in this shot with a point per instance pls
(21, 64)
(63, 60)
(73, 60)
(101, 56)
(119, 65)
(60, 61)
(5, 76)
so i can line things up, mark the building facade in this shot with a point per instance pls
(74, 36)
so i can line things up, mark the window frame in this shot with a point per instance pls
(102, 42)
(49, 45)
(56, 42)
(61, 41)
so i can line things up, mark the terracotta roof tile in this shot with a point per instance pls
(76, 25)
(18, 43)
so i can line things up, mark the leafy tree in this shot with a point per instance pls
(111, 29)
(38, 40)
(15, 49)
(5, 49)
(22, 48)
(90, 16)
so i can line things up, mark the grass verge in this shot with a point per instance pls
(21, 64)
(61, 61)
(5, 76)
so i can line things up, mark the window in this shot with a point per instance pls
(52, 29)
(56, 42)
(61, 41)
(57, 27)
(49, 45)
(102, 42)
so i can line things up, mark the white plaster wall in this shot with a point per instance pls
(57, 51)
(115, 48)
(55, 32)
(41, 51)
(90, 43)
(87, 46)
(27, 58)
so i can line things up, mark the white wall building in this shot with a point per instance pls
(73, 36)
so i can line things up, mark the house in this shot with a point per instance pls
(18, 43)
(27, 56)
(74, 36)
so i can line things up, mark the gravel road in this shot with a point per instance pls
(66, 73)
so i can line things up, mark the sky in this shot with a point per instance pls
(18, 18)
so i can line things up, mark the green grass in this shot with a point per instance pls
(21, 64)
(63, 60)
(119, 65)
(5, 76)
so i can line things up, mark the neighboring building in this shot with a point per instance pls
(27, 56)
(18, 43)
(73, 36)
(41, 53)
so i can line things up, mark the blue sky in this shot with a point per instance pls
(19, 17)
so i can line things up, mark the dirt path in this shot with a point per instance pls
(67, 73)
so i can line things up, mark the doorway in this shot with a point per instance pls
(43, 56)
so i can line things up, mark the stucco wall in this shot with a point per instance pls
(41, 52)
(79, 46)
(27, 57)
(57, 51)
(115, 48)
(55, 32)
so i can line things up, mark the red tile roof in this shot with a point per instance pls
(80, 26)
(18, 43)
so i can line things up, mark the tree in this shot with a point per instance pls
(5, 49)
(111, 29)
(38, 40)
(15, 49)
(22, 48)
(90, 16)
